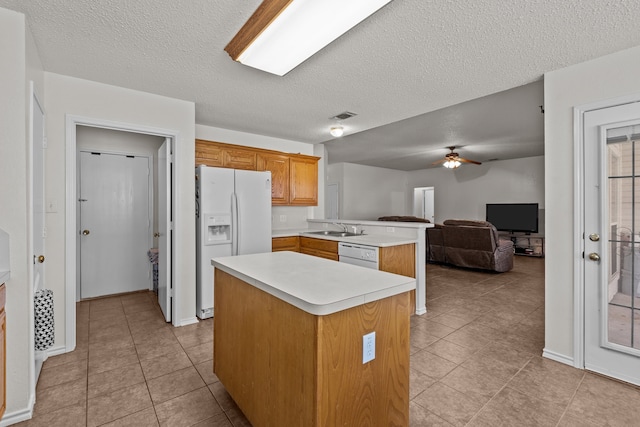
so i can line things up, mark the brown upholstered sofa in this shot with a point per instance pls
(472, 244)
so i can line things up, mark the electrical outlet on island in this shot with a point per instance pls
(368, 347)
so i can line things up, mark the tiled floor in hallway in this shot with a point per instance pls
(475, 360)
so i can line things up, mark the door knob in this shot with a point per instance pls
(85, 232)
(594, 237)
(594, 256)
(41, 259)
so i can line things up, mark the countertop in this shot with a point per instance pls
(316, 285)
(378, 240)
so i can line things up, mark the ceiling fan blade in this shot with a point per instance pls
(439, 161)
(468, 161)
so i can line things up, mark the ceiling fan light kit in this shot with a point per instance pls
(281, 34)
(453, 161)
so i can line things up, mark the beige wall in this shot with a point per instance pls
(13, 205)
(71, 96)
(603, 78)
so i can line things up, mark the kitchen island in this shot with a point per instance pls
(288, 340)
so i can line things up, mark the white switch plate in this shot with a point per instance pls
(283, 218)
(368, 347)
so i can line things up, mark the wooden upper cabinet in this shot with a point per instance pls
(278, 165)
(208, 154)
(304, 181)
(239, 159)
(294, 177)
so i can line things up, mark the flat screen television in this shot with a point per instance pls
(513, 217)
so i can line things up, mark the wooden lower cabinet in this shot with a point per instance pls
(400, 260)
(285, 244)
(319, 247)
(3, 352)
(286, 367)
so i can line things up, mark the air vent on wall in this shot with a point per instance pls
(343, 116)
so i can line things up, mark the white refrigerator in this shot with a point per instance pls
(233, 217)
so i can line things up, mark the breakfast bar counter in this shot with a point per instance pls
(288, 340)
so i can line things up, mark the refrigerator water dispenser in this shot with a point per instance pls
(217, 228)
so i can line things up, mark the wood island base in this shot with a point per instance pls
(286, 367)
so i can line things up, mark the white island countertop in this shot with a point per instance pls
(316, 285)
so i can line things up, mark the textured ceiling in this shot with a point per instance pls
(410, 58)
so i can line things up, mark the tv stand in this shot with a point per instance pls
(526, 244)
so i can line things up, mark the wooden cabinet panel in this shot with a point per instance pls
(208, 154)
(3, 353)
(304, 181)
(286, 367)
(319, 247)
(400, 260)
(278, 165)
(239, 159)
(285, 244)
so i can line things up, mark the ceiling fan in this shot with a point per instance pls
(452, 160)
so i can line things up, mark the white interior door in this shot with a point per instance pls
(612, 241)
(164, 228)
(115, 224)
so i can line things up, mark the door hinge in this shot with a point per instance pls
(171, 293)
(44, 232)
(45, 142)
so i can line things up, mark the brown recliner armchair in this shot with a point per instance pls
(473, 244)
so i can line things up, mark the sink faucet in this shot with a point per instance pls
(344, 227)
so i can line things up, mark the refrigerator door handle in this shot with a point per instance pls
(234, 224)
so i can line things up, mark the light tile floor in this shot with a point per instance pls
(475, 360)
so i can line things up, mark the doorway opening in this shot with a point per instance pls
(423, 203)
(75, 127)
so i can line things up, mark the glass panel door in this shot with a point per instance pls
(623, 219)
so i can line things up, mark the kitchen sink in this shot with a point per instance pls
(333, 233)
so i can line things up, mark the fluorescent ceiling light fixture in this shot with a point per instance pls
(336, 131)
(281, 34)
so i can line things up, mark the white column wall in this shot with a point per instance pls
(603, 78)
(13, 207)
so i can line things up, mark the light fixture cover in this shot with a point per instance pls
(336, 131)
(451, 164)
(295, 30)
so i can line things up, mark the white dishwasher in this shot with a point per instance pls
(356, 254)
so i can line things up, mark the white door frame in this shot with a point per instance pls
(72, 121)
(578, 219)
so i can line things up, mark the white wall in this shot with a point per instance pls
(463, 193)
(72, 96)
(367, 192)
(13, 203)
(603, 78)
(282, 217)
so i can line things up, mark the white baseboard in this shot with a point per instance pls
(558, 357)
(15, 417)
(189, 321)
